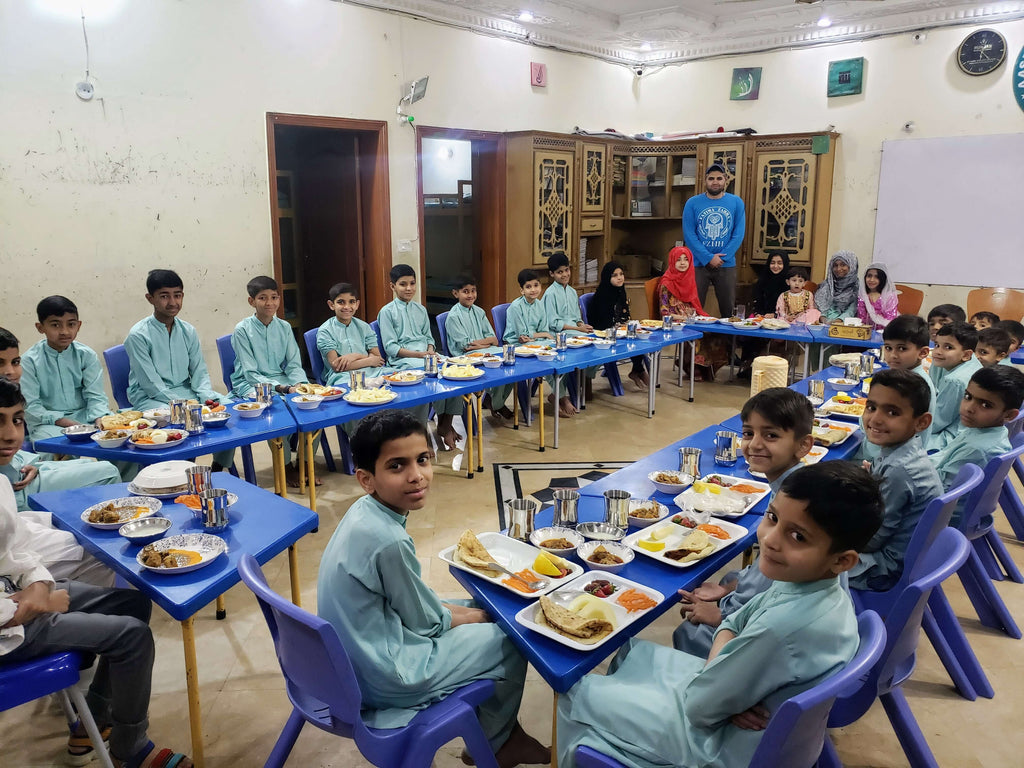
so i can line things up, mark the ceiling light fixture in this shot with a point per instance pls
(824, 21)
(645, 46)
(525, 16)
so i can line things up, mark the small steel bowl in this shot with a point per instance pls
(215, 420)
(492, 362)
(556, 532)
(586, 549)
(601, 531)
(146, 530)
(80, 432)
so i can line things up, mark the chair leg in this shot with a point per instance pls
(829, 758)
(944, 636)
(233, 469)
(248, 468)
(987, 559)
(986, 600)
(325, 449)
(90, 727)
(611, 372)
(523, 392)
(1003, 556)
(907, 730)
(1010, 501)
(285, 742)
(348, 464)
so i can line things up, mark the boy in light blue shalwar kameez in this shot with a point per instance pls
(777, 425)
(408, 648)
(30, 473)
(405, 331)
(467, 329)
(660, 707)
(993, 398)
(896, 411)
(527, 320)
(165, 355)
(953, 364)
(562, 306)
(61, 385)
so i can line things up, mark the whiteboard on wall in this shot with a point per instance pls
(951, 210)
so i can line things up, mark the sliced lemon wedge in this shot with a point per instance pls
(658, 534)
(545, 567)
(650, 545)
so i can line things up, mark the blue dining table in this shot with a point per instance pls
(797, 333)
(261, 524)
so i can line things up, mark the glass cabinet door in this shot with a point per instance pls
(620, 192)
(552, 195)
(648, 195)
(684, 183)
(784, 192)
(731, 157)
(593, 178)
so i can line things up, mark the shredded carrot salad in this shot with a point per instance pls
(714, 530)
(633, 600)
(527, 574)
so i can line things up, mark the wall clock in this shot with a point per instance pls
(981, 52)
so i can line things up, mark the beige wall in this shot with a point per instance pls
(167, 166)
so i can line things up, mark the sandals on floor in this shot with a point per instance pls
(80, 748)
(163, 758)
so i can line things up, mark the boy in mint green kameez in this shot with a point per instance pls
(993, 347)
(30, 473)
(407, 647)
(165, 354)
(662, 707)
(405, 331)
(266, 353)
(953, 364)
(467, 329)
(562, 306)
(993, 398)
(345, 342)
(526, 320)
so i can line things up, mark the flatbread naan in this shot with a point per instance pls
(827, 436)
(695, 546)
(570, 624)
(119, 420)
(474, 554)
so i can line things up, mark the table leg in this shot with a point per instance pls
(293, 574)
(515, 406)
(540, 410)
(554, 729)
(554, 440)
(693, 364)
(470, 411)
(479, 434)
(680, 353)
(300, 450)
(807, 359)
(581, 387)
(195, 720)
(732, 358)
(277, 456)
(312, 472)
(652, 385)
(821, 357)
(222, 611)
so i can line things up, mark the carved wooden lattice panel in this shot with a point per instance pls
(731, 157)
(552, 195)
(784, 191)
(593, 178)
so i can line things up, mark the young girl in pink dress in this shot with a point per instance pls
(878, 302)
(797, 304)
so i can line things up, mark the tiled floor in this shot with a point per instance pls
(244, 705)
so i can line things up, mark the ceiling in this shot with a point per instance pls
(669, 31)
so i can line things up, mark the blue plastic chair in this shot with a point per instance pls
(941, 626)
(443, 332)
(988, 550)
(903, 628)
(380, 342)
(1009, 499)
(795, 734)
(524, 390)
(118, 366)
(611, 370)
(25, 681)
(226, 352)
(324, 691)
(316, 362)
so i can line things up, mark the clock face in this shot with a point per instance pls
(981, 52)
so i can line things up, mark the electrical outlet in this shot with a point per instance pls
(84, 90)
(404, 246)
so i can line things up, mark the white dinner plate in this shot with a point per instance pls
(151, 504)
(208, 546)
(514, 555)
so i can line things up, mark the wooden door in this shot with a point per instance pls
(784, 190)
(552, 196)
(593, 178)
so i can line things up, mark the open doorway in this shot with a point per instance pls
(461, 193)
(330, 213)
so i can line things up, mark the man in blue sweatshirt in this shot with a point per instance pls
(713, 225)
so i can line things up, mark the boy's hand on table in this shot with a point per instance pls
(376, 361)
(711, 592)
(523, 338)
(35, 600)
(700, 612)
(65, 423)
(754, 719)
(581, 326)
(338, 364)
(28, 474)
(462, 614)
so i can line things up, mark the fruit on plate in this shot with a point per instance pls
(590, 607)
(845, 399)
(550, 565)
(650, 544)
(600, 588)
(701, 487)
(658, 534)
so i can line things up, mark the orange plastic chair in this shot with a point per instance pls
(1005, 302)
(651, 291)
(910, 299)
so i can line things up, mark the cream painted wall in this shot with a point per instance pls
(167, 166)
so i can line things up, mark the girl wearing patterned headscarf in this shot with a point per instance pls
(878, 302)
(837, 296)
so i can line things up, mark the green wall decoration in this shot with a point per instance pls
(1018, 80)
(846, 77)
(746, 84)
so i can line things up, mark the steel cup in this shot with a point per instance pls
(740, 311)
(199, 479)
(178, 408)
(689, 461)
(867, 365)
(264, 392)
(612, 335)
(215, 509)
(616, 508)
(631, 329)
(816, 391)
(508, 354)
(560, 339)
(194, 419)
(852, 371)
(566, 501)
(430, 365)
(666, 323)
(521, 514)
(726, 449)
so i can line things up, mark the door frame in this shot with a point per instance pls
(491, 221)
(376, 234)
